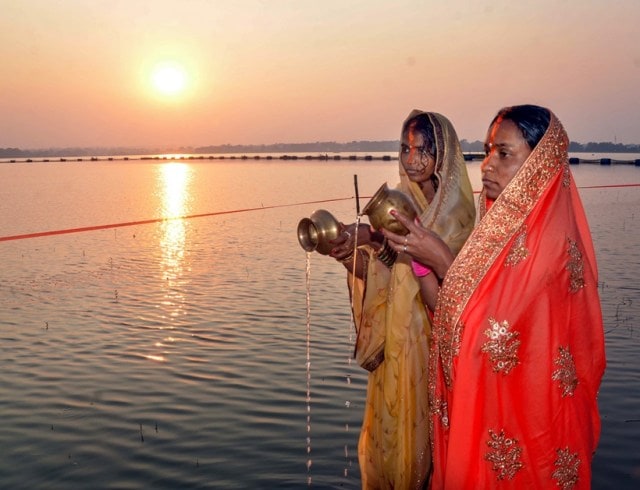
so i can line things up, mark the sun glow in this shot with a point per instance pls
(169, 78)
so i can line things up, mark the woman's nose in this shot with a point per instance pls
(414, 157)
(486, 163)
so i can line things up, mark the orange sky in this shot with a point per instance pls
(77, 72)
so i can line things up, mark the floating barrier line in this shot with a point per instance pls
(216, 213)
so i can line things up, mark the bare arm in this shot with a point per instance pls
(429, 287)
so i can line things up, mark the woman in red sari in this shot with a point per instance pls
(518, 344)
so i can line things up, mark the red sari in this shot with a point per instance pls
(518, 343)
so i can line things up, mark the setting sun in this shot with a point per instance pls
(169, 78)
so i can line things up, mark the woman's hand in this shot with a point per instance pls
(421, 244)
(343, 245)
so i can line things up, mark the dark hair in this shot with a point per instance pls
(532, 120)
(422, 124)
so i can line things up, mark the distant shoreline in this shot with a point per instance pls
(327, 147)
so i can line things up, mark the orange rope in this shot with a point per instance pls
(154, 220)
(191, 216)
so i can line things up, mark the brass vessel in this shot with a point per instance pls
(315, 231)
(383, 201)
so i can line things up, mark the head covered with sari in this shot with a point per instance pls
(452, 208)
(518, 343)
(393, 326)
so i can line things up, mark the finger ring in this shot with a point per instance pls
(348, 234)
(406, 240)
(404, 249)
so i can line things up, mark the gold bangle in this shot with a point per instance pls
(386, 254)
(384, 249)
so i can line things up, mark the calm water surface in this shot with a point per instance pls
(173, 354)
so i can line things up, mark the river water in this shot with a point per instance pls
(172, 353)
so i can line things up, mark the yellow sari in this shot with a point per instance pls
(394, 327)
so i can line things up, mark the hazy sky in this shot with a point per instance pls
(78, 72)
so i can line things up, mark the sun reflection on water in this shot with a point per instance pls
(174, 180)
(174, 184)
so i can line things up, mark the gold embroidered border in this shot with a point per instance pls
(493, 233)
(436, 400)
(566, 177)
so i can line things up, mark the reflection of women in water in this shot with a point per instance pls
(518, 343)
(393, 325)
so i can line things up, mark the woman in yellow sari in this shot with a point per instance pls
(392, 321)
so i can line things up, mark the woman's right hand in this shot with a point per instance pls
(344, 244)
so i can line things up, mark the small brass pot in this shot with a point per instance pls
(383, 201)
(315, 231)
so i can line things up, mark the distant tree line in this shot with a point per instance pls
(317, 147)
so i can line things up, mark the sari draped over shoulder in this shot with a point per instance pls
(393, 330)
(518, 342)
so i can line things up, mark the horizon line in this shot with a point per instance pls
(182, 148)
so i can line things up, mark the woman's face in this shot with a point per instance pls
(415, 159)
(506, 150)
